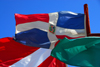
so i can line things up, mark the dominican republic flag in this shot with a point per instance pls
(44, 30)
(35, 37)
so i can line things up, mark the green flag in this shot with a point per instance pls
(83, 52)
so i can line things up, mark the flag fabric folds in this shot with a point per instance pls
(14, 54)
(12, 51)
(79, 52)
(44, 30)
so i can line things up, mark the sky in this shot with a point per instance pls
(9, 7)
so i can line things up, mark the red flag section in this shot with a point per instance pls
(52, 62)
(12, 51)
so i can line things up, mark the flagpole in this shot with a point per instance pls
(87, 19)
(88, 31)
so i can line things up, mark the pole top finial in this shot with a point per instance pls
(85, 5)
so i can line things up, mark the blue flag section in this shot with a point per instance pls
(32, 38)
(70, 20)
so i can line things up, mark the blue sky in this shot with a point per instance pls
(9, 7)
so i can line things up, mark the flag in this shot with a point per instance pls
(79, 52)
(44, 30)
(14, 54)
